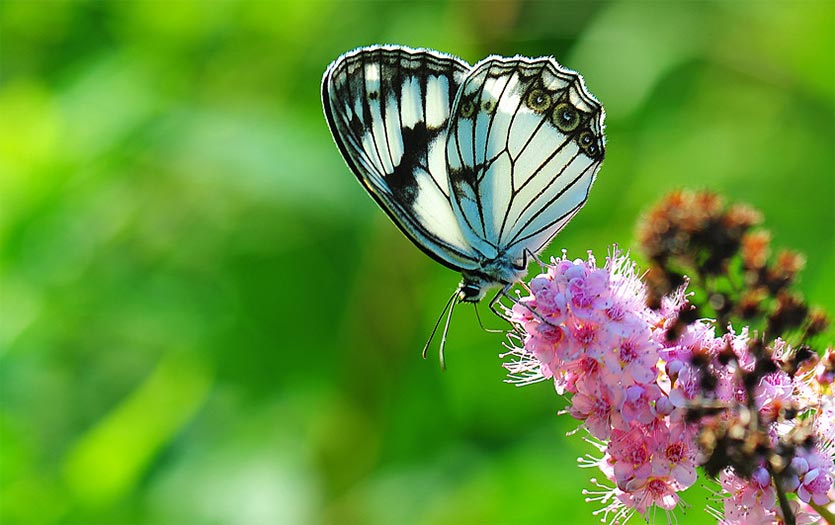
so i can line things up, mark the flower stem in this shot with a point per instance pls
(827, 515)
(788, 515)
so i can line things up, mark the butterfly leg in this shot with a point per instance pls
(515, 329)
(481, 323)
(542, 264)
(497, 300)
(515, 301)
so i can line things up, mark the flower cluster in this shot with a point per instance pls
(659, 404)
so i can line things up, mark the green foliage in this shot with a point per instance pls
(205, 320)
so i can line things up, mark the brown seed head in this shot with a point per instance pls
(755, 249)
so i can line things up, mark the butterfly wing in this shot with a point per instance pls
(388, 108)
(525, 143)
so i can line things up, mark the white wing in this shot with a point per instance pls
(388, 108)
(525, 143)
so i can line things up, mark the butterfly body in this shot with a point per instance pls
(480, 166)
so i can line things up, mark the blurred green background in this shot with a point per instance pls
(205, 320)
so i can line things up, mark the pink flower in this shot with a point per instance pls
(697, 337)
(594, 407)
(729, 387)
(631, 454)
(814, 470)
(675, 303)
(825, 371)
(773, 394)
(749, 502)
(738, 343)
(589, 330)
(634, 357)
(583, 371)
(686, 387)
(654, 490)
(676, 453)
(664, 407)
(588, 290)
(636, 405)
(585, 311)
(585, 337)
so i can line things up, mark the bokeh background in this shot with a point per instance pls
(205, 319)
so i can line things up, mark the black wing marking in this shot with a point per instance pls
(388, 109)
(522, 163)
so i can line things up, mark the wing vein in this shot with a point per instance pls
(553, 199)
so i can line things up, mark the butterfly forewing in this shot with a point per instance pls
(388, 108)
(479, 166)
(525, 143)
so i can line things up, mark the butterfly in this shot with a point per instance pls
(479, 166)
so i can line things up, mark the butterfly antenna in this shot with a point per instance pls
(446, 329)
(481, 324)
(438, 323)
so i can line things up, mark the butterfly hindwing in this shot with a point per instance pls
(524, 145)
(388, 108)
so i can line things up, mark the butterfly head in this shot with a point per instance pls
(471, 292)
(475, 284)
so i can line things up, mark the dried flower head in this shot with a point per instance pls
(697, 235)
